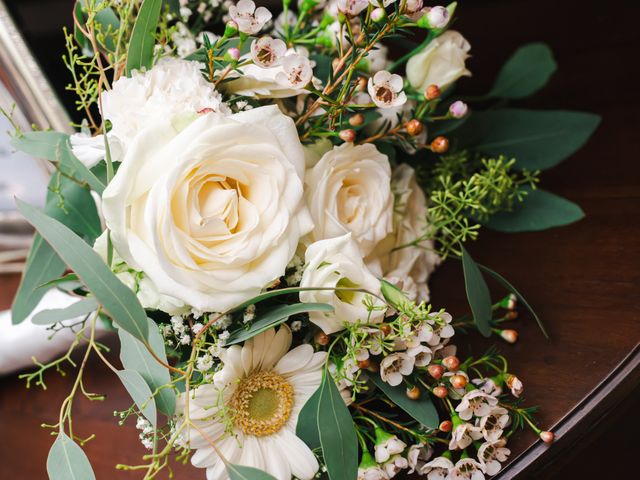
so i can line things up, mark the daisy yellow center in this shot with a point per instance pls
(262, 403)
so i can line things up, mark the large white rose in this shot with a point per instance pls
(171, 89)
(349, 190)
(337, 262)
(211, 214)
(408, 267)
(441, 63)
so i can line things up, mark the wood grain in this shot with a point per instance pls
(583, 279)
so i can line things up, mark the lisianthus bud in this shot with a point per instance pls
(414, 127)
(322, 338)
(451, 362)
(445, 426)
(441, 391)
(436, 371)
(440, 144)
(509, 335)
(547, 437)
(432, 92)
(356, 120)
(230, 29)
(378, 14)
(413, 393)
(233, 53)
(458, 109)
(348, 135)
(458, 381)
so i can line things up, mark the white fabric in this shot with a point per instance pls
(19, 343)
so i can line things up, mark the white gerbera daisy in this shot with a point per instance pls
(251, 409)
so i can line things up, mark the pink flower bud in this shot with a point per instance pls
(234, 53)
(547, 437)
(347, 135)
(438, 17)
(378, 14)
(509, 335)
(458, 109)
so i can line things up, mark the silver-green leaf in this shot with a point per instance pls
(241, 472)
(477, 294)
(79, 309)
(67, 461)
(143, 36)
(140, 393)
(423, 410)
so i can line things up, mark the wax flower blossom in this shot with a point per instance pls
(492, 455)
(475, 403)
(296, 71)
(437, 469)
(352, 7)
(467, 469)
(385, 90)
(395, 366)
(249, 19)
(267, 52)
(387, 445)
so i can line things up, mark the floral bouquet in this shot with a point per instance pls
(255, 204)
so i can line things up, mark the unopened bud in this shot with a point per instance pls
(230, 29)
(436, 371)
(362, 84)
(414, 127)
(385, 329)
(232, 54)
(511, 315)
(432, 92)
(512, 303)
(451, 362)
(348, 135)
(441, 391)
(509, 335)
(458, 381)
(438, 17)
(445, 426)
(458, 109)
(440, 144)
(356, 120)
(547, 437)
(322, 338)
(413, 393)
(378, 14)
(374, 366)
(364, 364)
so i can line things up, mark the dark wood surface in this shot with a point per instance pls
(583, 279)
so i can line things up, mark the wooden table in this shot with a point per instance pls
(583, 279)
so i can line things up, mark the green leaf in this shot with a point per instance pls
(119, 302)
(140, 393)
(506, 284)
(423, 410)
(526, 72)
(274, 318)
(67, 461)
(393, 294)
(110, 24)
(307, 427)
(240, 472)
(337, 432)
(143, 36)
(135, 356)
(540, 210)
(536, 139)
(477, 294)
(79, 309)
(55, 147)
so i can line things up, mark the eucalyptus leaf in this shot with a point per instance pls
(423, 410)
(273, 318)
(55, 147)
(135, 356)
(526, 72)
(537, 139)
(118, 301)
(477, 294)
(140, 393)
(67, 461)
(506, 284)
(337, 432)
(539, 210)
(307, 427)
(143, 36)
(79, 309)
(241, 472)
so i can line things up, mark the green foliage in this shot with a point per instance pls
(337, 432)
(143, 37)
(477, 294)
(537, 139)
(422, 410)
(307, 427)
(140, 393)
(67, 461)
(80, 308)
(240, 472)
(539, 211)
(526, 72)
(120, 302)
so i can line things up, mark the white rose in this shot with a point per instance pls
(211, 214)
(441, 63)
(409, 267)
(349, 190)
(337, 262)
(172, 89)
